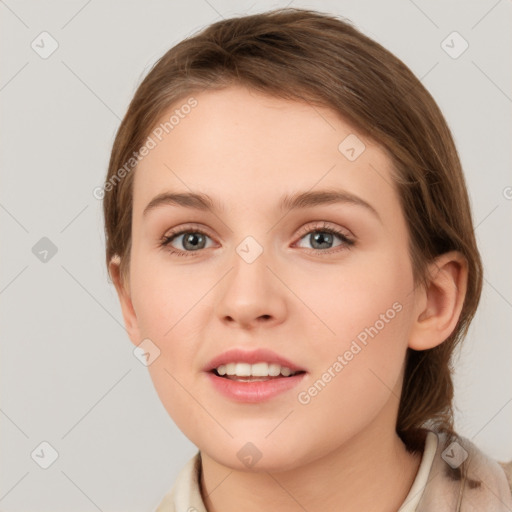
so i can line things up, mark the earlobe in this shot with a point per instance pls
(438, 306)
(124, 294)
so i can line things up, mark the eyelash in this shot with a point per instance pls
(347, 242)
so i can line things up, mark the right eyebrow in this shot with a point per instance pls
(194, 200)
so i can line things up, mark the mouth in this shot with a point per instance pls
(254, 388)
(254, 378)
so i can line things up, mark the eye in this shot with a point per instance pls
(190, 240)
(321, 237)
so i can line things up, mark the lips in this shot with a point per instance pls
(251, 357)
(256, 391)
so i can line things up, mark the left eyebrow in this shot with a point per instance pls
(294, 201)
(320, 197)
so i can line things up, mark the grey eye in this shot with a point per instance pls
(320, 239)
(191, 241)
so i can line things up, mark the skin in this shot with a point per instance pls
(306, 303)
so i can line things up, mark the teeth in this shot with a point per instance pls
(254, 370)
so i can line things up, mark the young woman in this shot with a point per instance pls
(289, 232)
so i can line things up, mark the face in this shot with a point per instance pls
(325, 284)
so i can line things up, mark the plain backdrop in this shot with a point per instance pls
(68, 373)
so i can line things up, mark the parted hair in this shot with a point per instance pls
(306, 55)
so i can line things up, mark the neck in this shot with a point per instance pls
(372, 471)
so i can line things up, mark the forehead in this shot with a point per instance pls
(237, 143)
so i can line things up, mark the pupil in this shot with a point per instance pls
(322, 238)
(192, 238)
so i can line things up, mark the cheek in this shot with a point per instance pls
(163, 294)
(177, 395)
(369, 297)
(171, 310)
(365, 320)
(358, 374)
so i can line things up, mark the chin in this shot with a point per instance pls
(254, 457)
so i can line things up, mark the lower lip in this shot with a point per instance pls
(256, 391)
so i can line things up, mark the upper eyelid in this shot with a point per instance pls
(187, 228)
(324, 225)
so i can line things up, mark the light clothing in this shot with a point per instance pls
(442, 483)
(410, 503)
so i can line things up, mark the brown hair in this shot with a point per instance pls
(311, 56)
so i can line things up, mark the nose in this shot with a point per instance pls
(251, 295)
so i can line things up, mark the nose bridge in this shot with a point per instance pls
(251, 291)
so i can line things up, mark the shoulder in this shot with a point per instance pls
(185, 495)
(463, 477)
(507, 468)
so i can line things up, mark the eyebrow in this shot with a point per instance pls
(296, 201)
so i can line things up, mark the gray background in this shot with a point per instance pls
(68, 373)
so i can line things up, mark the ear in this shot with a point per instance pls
(123, 292)
(438, 306)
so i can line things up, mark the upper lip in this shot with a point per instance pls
(252, 357)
